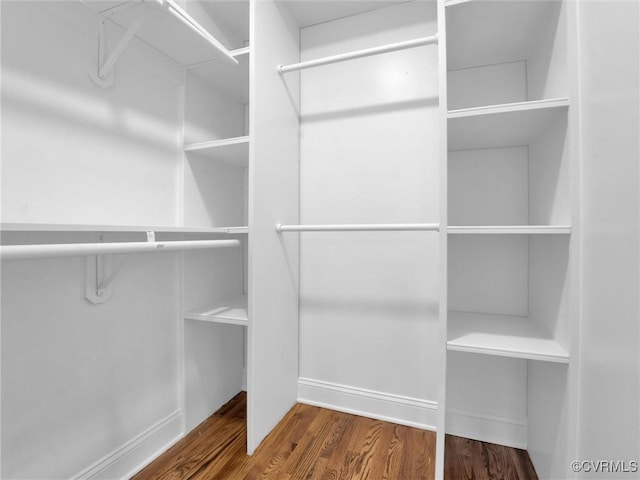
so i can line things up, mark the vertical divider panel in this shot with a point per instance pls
(442, 343)
(273, 198)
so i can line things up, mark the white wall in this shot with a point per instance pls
(75, 153)
(609, 412)
(82, 381)
(369, 154)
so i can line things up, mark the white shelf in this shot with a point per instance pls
(451, 3)
(68, 227)
(509, 108)
(502, 335)
(511, 229)
(162, 30)
(503, 125)
(231, 150)
(232, 311)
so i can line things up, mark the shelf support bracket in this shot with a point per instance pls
(103, 77)
(98, 276)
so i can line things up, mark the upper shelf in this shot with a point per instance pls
(168, 28)
(234, 151)
(502, 335)
(68, 227)
(510, 230)
(502, 125)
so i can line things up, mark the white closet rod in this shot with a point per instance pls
(361, 227)
(16, 252)
(393, 47)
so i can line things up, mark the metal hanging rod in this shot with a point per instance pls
(393, 47)
(17, 252)
(361, 227)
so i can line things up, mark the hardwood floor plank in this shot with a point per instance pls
(312, 443)
(282, 441)
(390, 463)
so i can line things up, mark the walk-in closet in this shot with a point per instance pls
(422, 212)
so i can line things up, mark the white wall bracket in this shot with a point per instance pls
(103, 76)
(98, 276)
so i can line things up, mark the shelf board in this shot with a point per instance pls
(68, 227)
(511, 229)
(231, 311)
(451, 3)
(509, 107)
(161, 30)
(234, 151)
(503, 125)
(502, 335)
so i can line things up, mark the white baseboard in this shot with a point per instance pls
(399, 409)
(511, 432)
(412, 412)
(138, 452)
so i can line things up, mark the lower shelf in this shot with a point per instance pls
(231, 311)
(502, 335)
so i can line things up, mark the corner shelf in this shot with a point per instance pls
(232, 311)
(502, 125)
(234, 151)
(502, 335)
(510, 230)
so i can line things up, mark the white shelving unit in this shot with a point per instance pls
(216, 172)
(510, 208)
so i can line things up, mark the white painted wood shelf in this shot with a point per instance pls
(69, 227)
(234, 151)
(502, 335)
(451, 3)
(510, 230)
(503, 125)
(232, 311)
(178, 38)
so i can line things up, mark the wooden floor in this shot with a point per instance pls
(319, 444)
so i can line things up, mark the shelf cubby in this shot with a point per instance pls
(505, 52)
